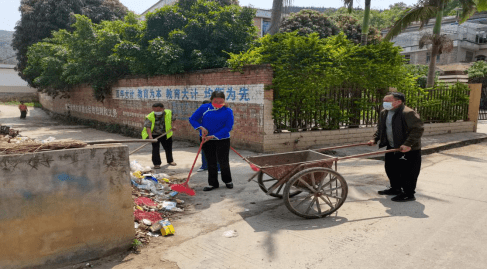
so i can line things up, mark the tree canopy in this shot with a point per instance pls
(40, 18)
(308, 21)
(191, 35)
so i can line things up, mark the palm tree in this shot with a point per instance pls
(276, 12)
(423, 12)
(365, 26)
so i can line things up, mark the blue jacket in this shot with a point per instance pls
(218, 122)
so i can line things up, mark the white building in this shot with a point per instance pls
(469, 41)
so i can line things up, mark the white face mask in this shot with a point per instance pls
(387, 105)
(158, 113)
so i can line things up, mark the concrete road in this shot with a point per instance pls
(444, 228)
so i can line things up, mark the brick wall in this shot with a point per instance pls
(132, 98)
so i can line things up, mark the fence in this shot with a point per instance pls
(482, 113)
(443, 104)
(354, 107)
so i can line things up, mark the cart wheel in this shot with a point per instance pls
(323, 192)
(265, 182)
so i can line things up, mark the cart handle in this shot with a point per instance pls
(369, 154)
(342, 146)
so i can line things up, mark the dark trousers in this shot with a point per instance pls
(204, 160)
(403, 170)
(217, 151)
(168, 149)
(23, 114)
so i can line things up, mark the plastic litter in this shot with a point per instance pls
(49, 139)
(153, 234)
(147, 222)
(136, 225)
(145, 201)
(138, 174)
(167, 227)
(152, 216)
(135, 166)
(231, 233)
(170, 204)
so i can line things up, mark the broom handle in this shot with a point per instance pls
(137, 149)
(192, 166)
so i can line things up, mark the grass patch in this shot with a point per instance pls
(29, 104)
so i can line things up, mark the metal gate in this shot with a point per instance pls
(482, 114)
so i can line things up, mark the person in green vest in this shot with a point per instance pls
(157, 123)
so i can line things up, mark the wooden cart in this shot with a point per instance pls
(306, 181)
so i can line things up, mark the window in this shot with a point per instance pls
(469, 57)
(266, 25)
(428, 57)
(407, 57)
(481, 58)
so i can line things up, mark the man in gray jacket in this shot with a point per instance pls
(400, 127)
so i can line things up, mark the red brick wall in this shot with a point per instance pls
(250, 122)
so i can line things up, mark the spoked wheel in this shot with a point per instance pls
(265, 182)
(323, 191)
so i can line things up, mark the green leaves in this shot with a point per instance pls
(308, 70)
(191, 35)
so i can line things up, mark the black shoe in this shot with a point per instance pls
(390, 191)
(229, 185)
(402, 197)
(209, 188)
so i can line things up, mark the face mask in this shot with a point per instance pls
(218, 106)
(387, 105)
(158, 113)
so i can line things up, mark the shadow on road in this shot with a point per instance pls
(412, 209)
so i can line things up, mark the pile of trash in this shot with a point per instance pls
(154, 202)
(8, 131)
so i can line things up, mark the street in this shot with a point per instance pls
(444, 228)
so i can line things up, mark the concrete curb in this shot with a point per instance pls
(442, 147)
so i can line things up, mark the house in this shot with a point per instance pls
(262, 20)
(469, 40)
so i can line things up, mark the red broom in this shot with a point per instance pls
(184, 188)
(253, 167)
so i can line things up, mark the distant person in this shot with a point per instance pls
(157, 123)
(400, 127)
(204, 166)
(215, 121)
(23, 110)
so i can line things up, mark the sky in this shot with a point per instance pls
(9, 9)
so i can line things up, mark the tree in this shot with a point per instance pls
(353, 29)
(276, 12)
(192, 35)
(40, 18)
(423, 12)
(196, 35)
(365, 25)
(308, 21)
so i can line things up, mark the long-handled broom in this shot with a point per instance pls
(184, 188)
(253, 167)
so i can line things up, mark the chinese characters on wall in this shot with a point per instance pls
(251, 94)
(91, 110)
